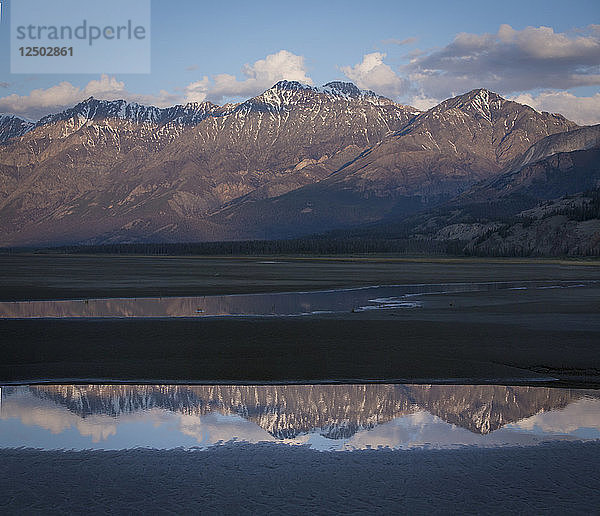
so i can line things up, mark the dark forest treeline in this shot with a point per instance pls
(308, 246)
(314, 247)
(396, 237)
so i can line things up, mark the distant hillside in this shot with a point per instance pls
(546, 203)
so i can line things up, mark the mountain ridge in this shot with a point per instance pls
(194, 112)
(190, 113)
(291, 161)
(545, 203)
(434, 157)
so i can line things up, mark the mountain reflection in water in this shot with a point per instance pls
(324, 416)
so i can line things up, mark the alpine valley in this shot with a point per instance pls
(482, 173)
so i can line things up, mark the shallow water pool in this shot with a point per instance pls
(323, 417)
(272, 304)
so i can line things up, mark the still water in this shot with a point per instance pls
(275, 304)
(324, 417)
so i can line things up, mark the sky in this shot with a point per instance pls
(542, 53)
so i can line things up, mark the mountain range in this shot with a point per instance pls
(294, 161)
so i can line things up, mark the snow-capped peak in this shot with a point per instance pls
(284, 94)
(480, 102)
(12, 126)
(94, 109)
(291, 85)
(346, 89)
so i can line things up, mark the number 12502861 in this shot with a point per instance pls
(46, 51)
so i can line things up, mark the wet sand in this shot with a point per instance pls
(561, 478)
(28, 277)
(275, 350)
(503, 337)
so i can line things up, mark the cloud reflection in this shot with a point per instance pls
(582, 414)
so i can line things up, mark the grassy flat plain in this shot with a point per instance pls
(502, 336)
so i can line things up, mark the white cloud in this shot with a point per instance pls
(509, 61)
(259, 76)
(373, 74)
(423, 103)
(196, 91)
(583, 110)
(576, 416)
(41, 102)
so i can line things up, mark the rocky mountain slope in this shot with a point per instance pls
(292, 161)
(561, 164)
(115, 171)
(439, 154)
(12, 127)
(545, 203)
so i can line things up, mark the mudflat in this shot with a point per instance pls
(559, 478)
(28, 277)
(472, 337)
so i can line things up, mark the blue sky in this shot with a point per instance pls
(544, 53)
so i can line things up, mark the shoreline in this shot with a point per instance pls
(511, 336)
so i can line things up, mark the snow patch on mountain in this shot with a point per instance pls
(12, 127)
(93, 109)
